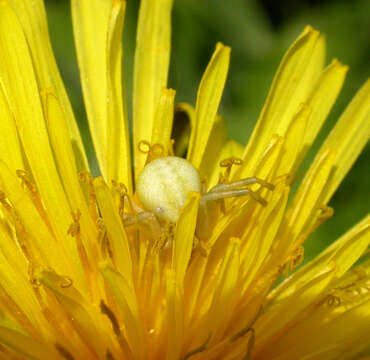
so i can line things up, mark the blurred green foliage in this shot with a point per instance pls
(259, 33)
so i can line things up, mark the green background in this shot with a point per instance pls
(259, 33)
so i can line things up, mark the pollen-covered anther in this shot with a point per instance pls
(86, 178)
(228, 164)
(66, 282)
(153, 151)
(74, 228)
(64, 353)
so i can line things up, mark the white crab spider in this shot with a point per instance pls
(164, 184)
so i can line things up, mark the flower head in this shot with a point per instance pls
(88, 272)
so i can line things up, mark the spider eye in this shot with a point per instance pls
(164, 184)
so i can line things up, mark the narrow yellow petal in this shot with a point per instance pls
(32, 18)
(321, 99)
(292, 84)
(45, 249)
(348, 138)
(118, 141)
(152, 57)
(175, 316)
(26, 106)
(84, 314)
(97, 30)
(223, 296)
(116, 232)
(183, 241)
(305, 206)
(293, 143)
(17, 287)
(162, 126)
(63, 151)
(25, 346)
(127, 304)
(10, 149)
(212, 153)
(272, 324)
(208, 100)
(258, 246)
(344, 253)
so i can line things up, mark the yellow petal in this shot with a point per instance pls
(258, 246)
(272, 324)
(208, 100)
(321, 99)
(118, 141)
(25, 104)
(44, 248)
(25, 346)
(127, 304)
(295, 77)
(348, 138)
(9, 145)
(97, 30)
(223, 298)
(183, 241)
(305, 206)
(175, 316)
(162, 126)
(293, 143)
(211, 156)
(152, 57)
(116, 232)
(32, 18)
(344, 253)
(84, 314)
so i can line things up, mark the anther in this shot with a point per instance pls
(109, 313)
(66, 282)
(228, 164)
(64, 352)
(333, 300)
(74, 228)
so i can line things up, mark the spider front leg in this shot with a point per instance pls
(146, 218)
(224, 191)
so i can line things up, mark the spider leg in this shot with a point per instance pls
(219, 195)
(144, 218)
(241, 183)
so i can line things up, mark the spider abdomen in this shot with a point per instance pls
(164, 184)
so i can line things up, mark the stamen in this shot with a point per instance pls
(64, 352)
(333, 300)
(198, 350)
(86, 178)
(103, 239)
(154, 151)
(32, 189)
(105, 310)
(171, 146)
(228, 164)
(66, 282)
(293, 261)
(122, 191)
(109, 356)
(74, 231)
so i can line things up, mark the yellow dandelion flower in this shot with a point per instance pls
(183, 261)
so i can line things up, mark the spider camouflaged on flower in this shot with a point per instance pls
(84, 270)
(165, 183)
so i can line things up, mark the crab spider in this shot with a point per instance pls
(163, 187)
